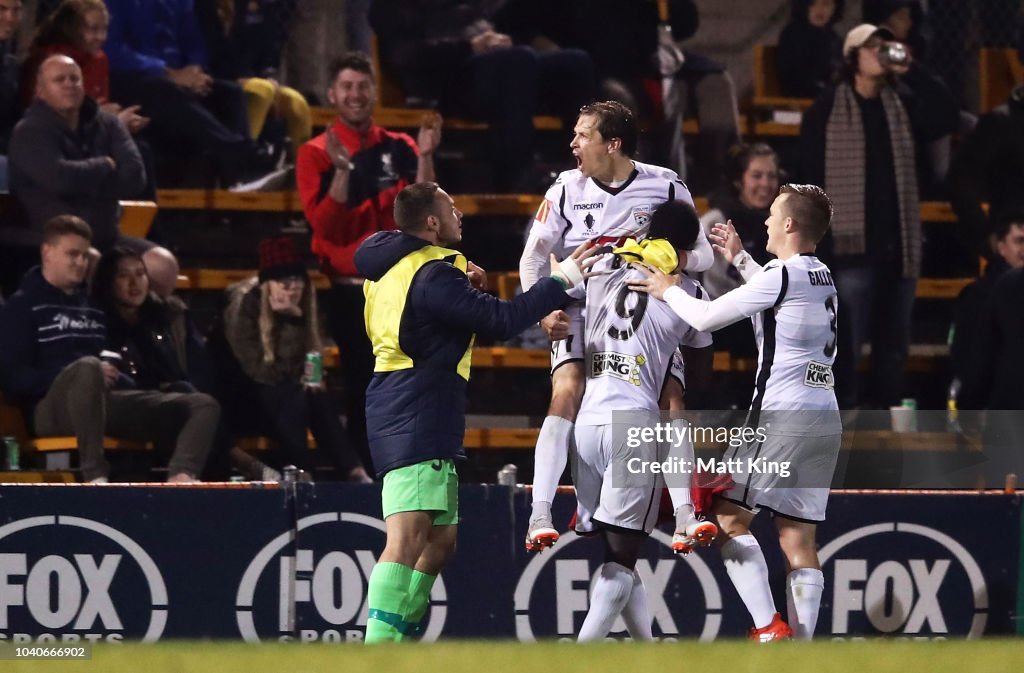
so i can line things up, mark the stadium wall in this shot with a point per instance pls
(264, 564)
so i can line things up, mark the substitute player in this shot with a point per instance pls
(629, 346)
(792, 301)
(422, 316)
(607, 197)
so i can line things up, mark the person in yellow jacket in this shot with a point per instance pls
(422, 315)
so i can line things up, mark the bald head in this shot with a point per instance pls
(59, 84)
(162, 267)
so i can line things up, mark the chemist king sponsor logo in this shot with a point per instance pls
(294, 590)
(902, 579)
(68, 579)
(553, 593)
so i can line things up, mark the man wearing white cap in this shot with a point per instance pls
(858, 142)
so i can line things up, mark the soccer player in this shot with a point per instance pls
(607, 197)
(629, 346)
(792, 301)
(422, 315)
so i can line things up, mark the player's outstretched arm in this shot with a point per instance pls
(743, 302)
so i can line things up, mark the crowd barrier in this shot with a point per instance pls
(259, 564)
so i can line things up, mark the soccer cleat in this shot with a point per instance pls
(777, 630)
(541, 534)
(698, 533)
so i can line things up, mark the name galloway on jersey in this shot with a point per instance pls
(618, 365)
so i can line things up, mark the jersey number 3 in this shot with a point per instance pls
(830, 307)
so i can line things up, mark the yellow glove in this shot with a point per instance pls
(655, 252)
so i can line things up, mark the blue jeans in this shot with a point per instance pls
(876, 304)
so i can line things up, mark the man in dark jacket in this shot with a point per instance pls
(49, 358)
(69, 157)
(422, 315)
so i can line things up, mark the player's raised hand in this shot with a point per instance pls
(556, 325)
(576, 267)
(654, 283)
(726, 241)
(429, 137)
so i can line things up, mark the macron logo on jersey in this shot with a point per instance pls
(617, 365)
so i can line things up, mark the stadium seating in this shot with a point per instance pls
(999, 70)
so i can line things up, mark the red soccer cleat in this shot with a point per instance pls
(777, 630)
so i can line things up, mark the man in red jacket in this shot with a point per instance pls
(348, 178)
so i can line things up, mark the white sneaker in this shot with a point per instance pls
(99, 480)
(275, 181)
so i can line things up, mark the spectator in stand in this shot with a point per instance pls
(158, 60)
(245, 39)
(10, 21)
(69, 157)
(906, 20)
(993, 378)
(989, 166)
(640, 63)
(50, 351)
(449, 52)
(752, 183)
(160, 348)
(810, 51)
(858, 141)
(348, 178)
(271, 324)
(78, 28)
(1008, 253)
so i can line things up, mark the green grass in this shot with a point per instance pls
(873, 656)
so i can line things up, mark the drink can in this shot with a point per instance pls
(236, 478)
(12, 453)
(313, 370)
(507, 475)
(909, 403)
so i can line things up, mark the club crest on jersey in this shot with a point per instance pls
(819, 375)
(588, 222)
(642, 215)
(617, 365)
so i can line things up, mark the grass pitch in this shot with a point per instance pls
(872, 656)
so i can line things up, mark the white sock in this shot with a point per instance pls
(744, 561)
(610, 595)
(550, 457)
(683, 515)
(678, 483)
(803, 599)
(635, 613)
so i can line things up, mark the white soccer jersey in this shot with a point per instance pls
(578, 209)
(793, 305)
(630, 340)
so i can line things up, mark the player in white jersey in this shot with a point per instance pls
(629, 345)
(792, 300)
(608, 198)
